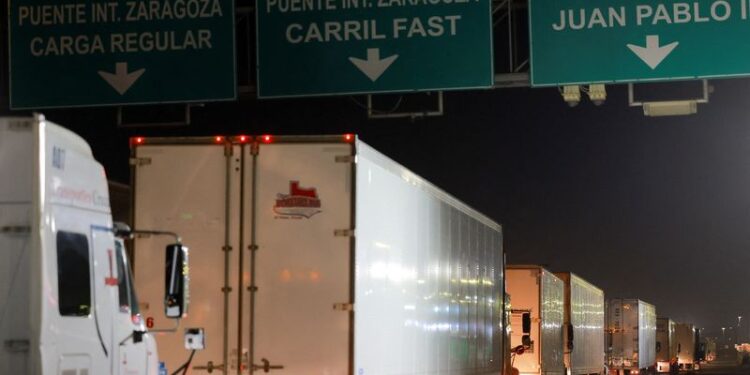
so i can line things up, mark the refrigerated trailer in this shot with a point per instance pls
(686, 345)
(708, 350)
(666, 344)
(583, 340)
(631, 336)
(67, 304)
(538, 298)
(319, 255)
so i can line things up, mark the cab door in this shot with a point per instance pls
(133, 352)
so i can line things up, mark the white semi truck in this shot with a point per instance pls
(686, 345)
(538, 298)
(67, 303)
(666, 345)
(583, 338)
(319, 255)
(708, 347)
(631, 333)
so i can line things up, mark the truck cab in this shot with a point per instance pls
(67, 302)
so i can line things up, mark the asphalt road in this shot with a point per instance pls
(724, 367)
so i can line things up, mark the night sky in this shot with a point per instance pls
(653, 208)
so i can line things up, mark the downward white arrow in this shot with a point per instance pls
(121, 80)
(373, 67)
(652, 54)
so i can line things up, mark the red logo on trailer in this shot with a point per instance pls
(300, 202)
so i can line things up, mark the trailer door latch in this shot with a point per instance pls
(210, 367)
(267, 366)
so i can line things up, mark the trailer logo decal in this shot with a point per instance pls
(299, 203)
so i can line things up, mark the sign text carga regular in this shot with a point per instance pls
(650, 14)
(69, 17)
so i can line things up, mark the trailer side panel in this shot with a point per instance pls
(429, 288)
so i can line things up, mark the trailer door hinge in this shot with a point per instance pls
(16, 346)
(254, 149)
(343, 306)
(343, 233)
(15, 229)
(228, 150)
(346, 159)
(139, 162)
(19, 125)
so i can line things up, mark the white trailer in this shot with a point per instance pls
(319, 255)
(709, 349)
(67, 305)
(686, 345)
(583, 337)
(631, 328)
(666, 344)
(538, 298)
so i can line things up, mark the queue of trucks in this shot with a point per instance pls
(308, 255)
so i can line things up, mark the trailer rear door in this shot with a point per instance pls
(192, 190)
(302, 265)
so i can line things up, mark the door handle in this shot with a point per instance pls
(267, 366)
(210, 367)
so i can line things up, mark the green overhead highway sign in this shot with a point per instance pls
(330, 47)
(71, 53)
(583, 41)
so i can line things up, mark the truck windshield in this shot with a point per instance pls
(127, 297)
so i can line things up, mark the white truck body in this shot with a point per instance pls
(538, 292)
(584, 310)
(666, 343)
(631, 327)
(66, 302)
(685, 337)
(709, 349)
(319, 255)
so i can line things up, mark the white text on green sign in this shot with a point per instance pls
(633, 41)
(366, 41)
(124, 44)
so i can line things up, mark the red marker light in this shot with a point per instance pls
(243, 138)
(136, 319)
(266, 139)
(138, 140)
(348, 137)
(218, 139)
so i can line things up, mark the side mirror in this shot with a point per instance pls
(176, 281)
(571, 336)
(526, 323)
